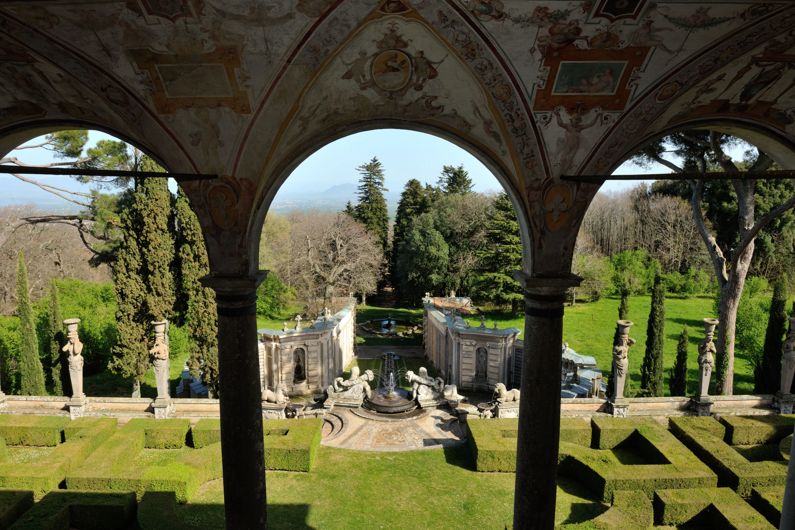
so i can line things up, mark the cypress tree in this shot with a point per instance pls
(768, 372)
(414, 201)
(31, 372)
(157, 248)
(503, 255)
(623, 306)
(371, 209)
(651, 373)
(677, 383)
(131, 354)
(455, 179)
(55, 338)
(200, 314)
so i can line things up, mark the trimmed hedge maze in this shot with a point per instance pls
(92, 473)
(702, 471)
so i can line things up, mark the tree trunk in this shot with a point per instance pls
(364, 298)
(729, 303)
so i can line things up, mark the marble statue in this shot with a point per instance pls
(504, 395)
(159, 355)
(620, 359)
(355, 387)
(426, 389)
(788, 358)
(74, 349)
(275, 396)
(706, 359)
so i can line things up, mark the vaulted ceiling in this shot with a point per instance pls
(536, 89)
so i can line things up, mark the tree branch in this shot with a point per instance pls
(58, 192)
(667, 163)
(761, 223)
(715, 253)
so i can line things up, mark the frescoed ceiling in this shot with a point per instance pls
(536, 88)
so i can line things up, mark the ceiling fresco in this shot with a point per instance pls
(538, 89)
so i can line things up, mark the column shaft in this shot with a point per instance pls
(788, 510)
(242, 439)
(539, 407)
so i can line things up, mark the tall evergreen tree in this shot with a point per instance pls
(423, 258)
(157, 248)
(200, 312)
(414, 201)
(371, 209)
(455, 179)
(31, 372)
(651, 373)
(677, 382)
(501, 256)
(55, 338)
(767, 373)
(131, 354)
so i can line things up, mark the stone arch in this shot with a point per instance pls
(293, 160)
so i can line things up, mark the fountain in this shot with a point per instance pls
(390, 398)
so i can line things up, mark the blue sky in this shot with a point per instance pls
(404, 154)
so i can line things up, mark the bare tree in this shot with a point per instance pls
(702, 150)
(333, 256)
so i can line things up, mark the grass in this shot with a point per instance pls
(419, 489)
(589, 328)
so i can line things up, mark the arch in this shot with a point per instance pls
(266, 193)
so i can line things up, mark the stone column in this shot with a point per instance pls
(785, 399)
(787, 521)
(242, 438)
(539, 408)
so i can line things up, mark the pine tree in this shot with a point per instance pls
(768, 371)
(55, 337)
(200, 311)
(371, 209)
(422, 259)
(501, 257)
(131, 354)
(623, 306)
(651, 373)
(455, 179)
(414, 201)
(677, 383)
(31, 372)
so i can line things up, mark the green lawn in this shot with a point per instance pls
(589, 328)
(419, 489)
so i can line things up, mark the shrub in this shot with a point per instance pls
(78, 509)
(157, 507)
(32, 430)
(711, 507)
(704, 436)
(12, 505)
(769, 501)
(162, 434)
(752, 430)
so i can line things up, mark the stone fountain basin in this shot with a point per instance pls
(399, 401)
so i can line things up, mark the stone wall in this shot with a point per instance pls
(472, 357)
(307, 360)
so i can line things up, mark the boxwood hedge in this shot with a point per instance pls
(706, 507)
(61, 510)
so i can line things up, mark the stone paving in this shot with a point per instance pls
(361, 430)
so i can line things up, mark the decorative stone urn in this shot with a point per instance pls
(74, 349)
(706, 359)
(159, 355)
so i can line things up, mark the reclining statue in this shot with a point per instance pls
(503, 395)
(277, 396)
(355, 387)
(427, 389)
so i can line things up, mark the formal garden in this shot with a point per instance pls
(96, 473)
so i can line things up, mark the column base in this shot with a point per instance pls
(163, 408)
(618, 408)
(784, 402)
(701, 405)
(78, 406)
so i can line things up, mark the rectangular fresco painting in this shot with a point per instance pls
(588, 77)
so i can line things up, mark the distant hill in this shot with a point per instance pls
(331, 199)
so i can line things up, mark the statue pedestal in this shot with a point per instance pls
(619, 408)
(430, 403)
(701, 405)
(784, 402)
(350, 402)
(77, 407)
(273, 411)
(509, 409)
(163, 408)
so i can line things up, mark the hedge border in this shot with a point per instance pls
(723, 507)
(79, 509)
